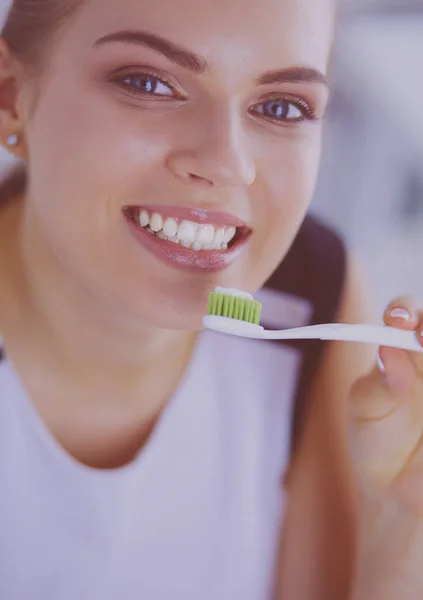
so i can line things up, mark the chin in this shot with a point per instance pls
(174, 313)
(180, 303)
(178, 322)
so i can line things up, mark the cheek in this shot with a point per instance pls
(284, 190)
(290, 171)
(288, 176)
(90, 153)
(87, 161)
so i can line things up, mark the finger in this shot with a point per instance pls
(405, 313)
(418, 357)
(385, 425)
(402, 313)
(409, 482)
(398, 370)
(378, 394)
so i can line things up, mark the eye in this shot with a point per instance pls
(146, 84)
(283, 110)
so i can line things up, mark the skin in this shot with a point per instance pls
(96, 306)
(368, 510)
(88, 315)
(385, 441)
(260, 172)
(319, 539)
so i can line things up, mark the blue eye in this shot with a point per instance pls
(147, 84)
(283, 110)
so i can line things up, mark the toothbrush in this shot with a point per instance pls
(237, 313)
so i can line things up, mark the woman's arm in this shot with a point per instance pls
(319, 536)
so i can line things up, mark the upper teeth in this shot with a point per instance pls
(189, 234)
(156, 222)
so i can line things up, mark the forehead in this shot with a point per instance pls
(249, 34)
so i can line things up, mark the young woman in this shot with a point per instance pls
(170, 147)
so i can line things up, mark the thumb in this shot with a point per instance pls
(385, 417)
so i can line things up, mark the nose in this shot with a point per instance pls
(214, 153)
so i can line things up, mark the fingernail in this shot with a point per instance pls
(400, 313)
(380, 364)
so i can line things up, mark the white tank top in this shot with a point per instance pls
(196, 516)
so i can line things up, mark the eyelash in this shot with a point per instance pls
(147, 75)
(307, 111)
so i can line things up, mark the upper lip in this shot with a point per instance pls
(196, 215)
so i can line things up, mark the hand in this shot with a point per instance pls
(387, 448)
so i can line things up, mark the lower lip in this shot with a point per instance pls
(205, 261)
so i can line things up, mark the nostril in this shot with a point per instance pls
(198, 178)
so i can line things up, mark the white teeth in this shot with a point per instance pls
(229, 234)
(188, 234)
(205, 234)
(187, 231)
(219, 236)
(144, 219)
(170, 227)
(156, 222)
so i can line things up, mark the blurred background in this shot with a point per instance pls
(371, 182)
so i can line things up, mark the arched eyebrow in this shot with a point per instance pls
(198, 64)
(294, 75)
(175, 53)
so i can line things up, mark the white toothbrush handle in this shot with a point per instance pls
(380, 335)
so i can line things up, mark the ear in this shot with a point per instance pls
(11, 120)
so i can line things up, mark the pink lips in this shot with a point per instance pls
(206, 261)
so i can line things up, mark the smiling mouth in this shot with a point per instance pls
(199, 236)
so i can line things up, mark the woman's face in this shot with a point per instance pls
(206, 115)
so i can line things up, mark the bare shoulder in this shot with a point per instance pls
(318, 540)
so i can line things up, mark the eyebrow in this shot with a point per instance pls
(294, 75)
(198, 65)
(176, 54)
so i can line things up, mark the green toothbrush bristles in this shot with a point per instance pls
(234, 307)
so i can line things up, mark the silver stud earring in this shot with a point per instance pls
(12, 140)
